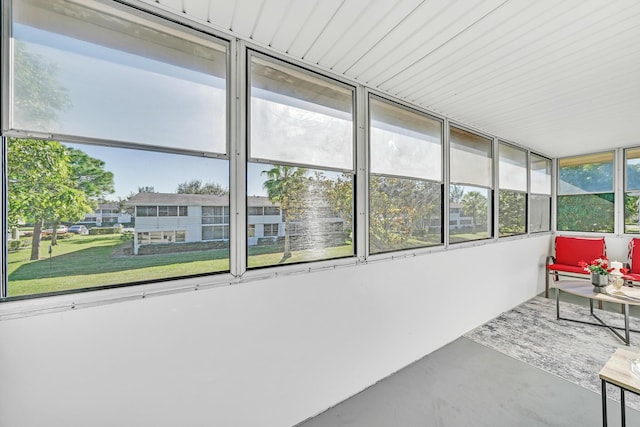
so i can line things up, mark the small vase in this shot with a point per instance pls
(599, 281)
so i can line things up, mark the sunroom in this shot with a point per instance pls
(385, 177)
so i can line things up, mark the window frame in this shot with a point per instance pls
(584, 193)
(524, 191)
(531, 194)
(164, 25)
(491, 200)
(253, 52)
(403, 107)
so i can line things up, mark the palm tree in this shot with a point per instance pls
(286, 185)
(474, 203)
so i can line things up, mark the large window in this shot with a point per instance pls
(405, 207)
(301, 153)
(142, 100)
(470, 191)
(632, 191)
(585, 193)
(540, 194)
(84, 69)
(512, 196)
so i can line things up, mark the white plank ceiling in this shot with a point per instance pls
(559, 76)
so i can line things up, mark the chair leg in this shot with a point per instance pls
(546, 285)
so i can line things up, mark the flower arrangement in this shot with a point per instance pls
(599, 265)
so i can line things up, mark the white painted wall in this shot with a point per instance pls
(265, 353)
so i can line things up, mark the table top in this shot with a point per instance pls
(584, 288)
(617, 370)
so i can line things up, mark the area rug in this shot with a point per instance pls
(573, 351)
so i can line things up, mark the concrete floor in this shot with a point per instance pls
(466, 384)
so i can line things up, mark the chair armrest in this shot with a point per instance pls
(550, 260)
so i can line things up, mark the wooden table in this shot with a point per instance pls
(625, 297)
(617, 371)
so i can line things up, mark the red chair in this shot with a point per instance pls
(570, 252)
(633, 257)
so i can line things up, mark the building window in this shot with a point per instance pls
(512, 194)
(146, 211)
(215, 232)
(167, 211)
(540, 194)
(585, 193)
(405, 185)
(93, 75)
(470, 191)
(270, 230)
(215, 215)
(301, 157)
(251, 230)
(271, 210)
(255, 211)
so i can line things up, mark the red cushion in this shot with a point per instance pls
(631, 276)
(567, 268)
(573, 250)
(634, 255)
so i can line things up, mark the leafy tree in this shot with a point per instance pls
(586, 212)
(196, 186)
(590, 177)
(474, 204)
(399, 210)
(631, 209)
(455, 193)
(41, 185)
(89, 176)
(339, 194)
(287, 186)
(512, 206)
(38, 96)
(146, 189)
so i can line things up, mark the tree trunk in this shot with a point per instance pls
(35, 240)
(54, 234)
(287, 243)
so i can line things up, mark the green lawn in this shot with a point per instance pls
(90, 261)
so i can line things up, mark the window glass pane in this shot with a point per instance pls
(145, 211)
(299, 118)
(512, 213)
(80, 69)
(470, 158)
(540, 213)
(404, 143)
(513, 168)
(316, 201)
(469, 213)
(586, 212)
(87, 183)
(271, 210)
(586, 174)
(632, 176)
(632, 193)
(404, 213)
(540, 175)
(631, 212)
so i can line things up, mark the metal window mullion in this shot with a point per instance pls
(527, 209)
(619, 167)
(446, 166)
(362, 194)
(237, 162)
(555, 182)
(5, 65)
(495, 191)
